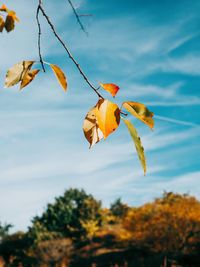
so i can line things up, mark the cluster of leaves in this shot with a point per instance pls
(23, 74)
(9, 22)
(103, 118)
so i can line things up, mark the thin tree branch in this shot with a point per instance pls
(39, 35)
(68, 51)
(77, 17)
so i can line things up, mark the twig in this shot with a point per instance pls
(77, 17)
(85, 15)
(68, 51)
(39, 35)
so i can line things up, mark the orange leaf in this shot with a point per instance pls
(108, 116)
(60, 76)
(2, 23)
(3, 8)
(140, 111)
(91, 129)
(110, 87)
(13, 15)
(28, 77)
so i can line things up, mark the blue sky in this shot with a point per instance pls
(151, 50)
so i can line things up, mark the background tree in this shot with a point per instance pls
(4, 230)
(66, 216)
(118, 208)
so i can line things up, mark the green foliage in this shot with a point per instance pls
(66, 216)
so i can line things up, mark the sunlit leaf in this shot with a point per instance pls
(3, 8)
(2, 23)
(110, 87)
(137, 141)
(60, 76)
(14, 16)
(28, 77)
(140, 111)
(108, 116)
(16, 73)
(91, 129)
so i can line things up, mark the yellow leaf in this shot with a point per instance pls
(138, 144)
(140, 111)
(108, 116)
(9, 23)
(17, 72)
(28, 77)
(91, 129)
(13, 14)
(2, 23)
(60, 76)
(110, 87)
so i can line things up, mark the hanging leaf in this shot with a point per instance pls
(110, 87)
(140, 111)
(9, 23)
(60, 76)
(138, 144)
(2, 23)
(4, 8)
(91, 129)
(16, 73)
(108, 116)
(28, 77)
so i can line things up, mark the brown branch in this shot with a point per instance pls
(68, 51)
(39, 35)
(77, 17)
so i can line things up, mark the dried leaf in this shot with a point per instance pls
(2, 23)
(17, 72)
(28, 77)
(137, 141)
(91, 129)
(108, 116)
(110, 87)
(9, 23)
(60, 76)
(141, 112)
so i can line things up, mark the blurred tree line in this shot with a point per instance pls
(77, 231)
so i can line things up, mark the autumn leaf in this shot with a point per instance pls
(13, 15)
(28, 77)
(17, 72)
(140, 111)
(3, 8)
(9, 23)
(137, 142)
(91, 129)
(2, 23)
(60, 76)
(110, 87)
(108, 116)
